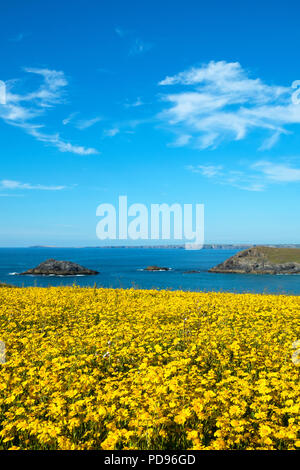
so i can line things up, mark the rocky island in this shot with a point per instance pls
(262, 260)
(52, 267)
(156, 268)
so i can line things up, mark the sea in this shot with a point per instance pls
(124, 268)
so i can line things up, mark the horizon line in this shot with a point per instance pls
(158, 246)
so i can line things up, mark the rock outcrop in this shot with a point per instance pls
(156, 268)
(262, 260)
(59, 268)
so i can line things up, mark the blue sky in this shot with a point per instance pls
(162, 101)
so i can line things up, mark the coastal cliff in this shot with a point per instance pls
(262, 260)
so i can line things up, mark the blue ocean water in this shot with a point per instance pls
(123, 267)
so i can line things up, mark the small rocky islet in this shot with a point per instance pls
(54, 267)
(156, 268)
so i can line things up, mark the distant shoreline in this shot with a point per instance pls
(209, 246)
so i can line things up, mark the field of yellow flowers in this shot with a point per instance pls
(89, 368)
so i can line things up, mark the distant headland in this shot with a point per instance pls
(209, 246)
(262, 260)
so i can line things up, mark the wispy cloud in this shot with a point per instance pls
(111, 132)
(270, 141)
(21, 110)
(14, 185)
(121, 32)
(63, 146)
(51, 92)
(220, 101)
(277, 172)
(206, 170)
(255, 177)
(81, 124)
(85, 123)
(181, 140)
(134, 104)
(69, 118)
(139, 47)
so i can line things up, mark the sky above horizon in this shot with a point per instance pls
(187, 102)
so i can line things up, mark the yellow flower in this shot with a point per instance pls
(264, 430)
(182, 416)
(120, 369)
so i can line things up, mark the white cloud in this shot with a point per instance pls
(271, 141)
(206, 170)
(255, 177)
(111, 132)
(134, 104)
(21, 109)
(84, 124)
(16, 114)
(77, 149)
(277, 172)
(181, 140)
(60, 144)
(220, 101)
(11, 184)
(51, 91)
(69, 118)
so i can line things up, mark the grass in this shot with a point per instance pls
(280, 255)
